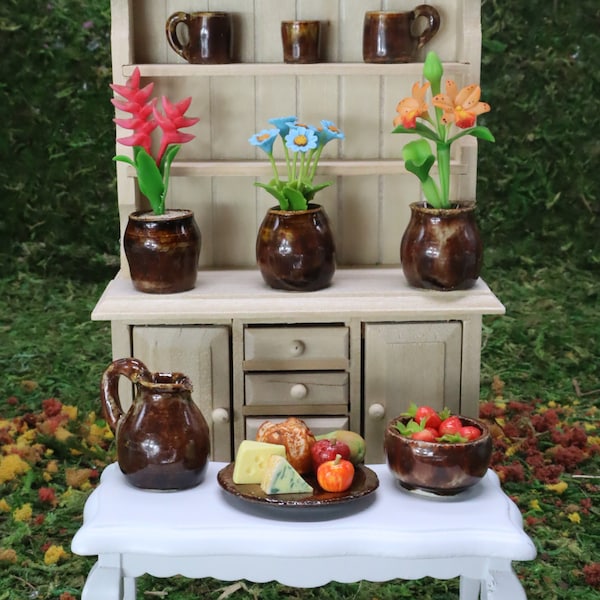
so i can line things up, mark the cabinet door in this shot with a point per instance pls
(405, 363)
(201, 353)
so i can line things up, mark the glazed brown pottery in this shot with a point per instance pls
(162, 251)
(392, 37)
(440, 468)
(209, 36)
(163, 441)
(301, 41)
(295, 249)
(441, 249)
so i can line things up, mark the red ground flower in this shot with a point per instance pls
(591, 574)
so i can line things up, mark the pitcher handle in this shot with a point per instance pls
(171, 31)
(433, 22)
(135, 371)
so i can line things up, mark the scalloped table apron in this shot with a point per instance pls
(393, 533)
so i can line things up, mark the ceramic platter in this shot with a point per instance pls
(365, 482)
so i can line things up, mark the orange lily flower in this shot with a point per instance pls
(413, 107)
(460, 107)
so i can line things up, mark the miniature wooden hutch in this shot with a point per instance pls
(358, 353)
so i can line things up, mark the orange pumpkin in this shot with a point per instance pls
(335, 475)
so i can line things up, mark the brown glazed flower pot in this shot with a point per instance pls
(162, 251)
(295, 249)
(441, 249)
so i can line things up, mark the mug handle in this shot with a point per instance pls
(433, 20)
(171, 31)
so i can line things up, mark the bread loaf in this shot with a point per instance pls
(297, 438)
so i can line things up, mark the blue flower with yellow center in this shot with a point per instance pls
(265, 139)
(301, 139)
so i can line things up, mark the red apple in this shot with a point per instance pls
(325, 450)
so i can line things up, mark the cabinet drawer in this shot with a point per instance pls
(318, 425)
(296, 348)
(285, 389)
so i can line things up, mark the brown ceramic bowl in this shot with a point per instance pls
(440, 468)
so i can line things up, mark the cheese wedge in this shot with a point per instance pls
(251, 460)
(281, 478)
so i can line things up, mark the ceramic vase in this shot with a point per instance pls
(441, 249)
(163, 440)
(295, 249)
(162, 251)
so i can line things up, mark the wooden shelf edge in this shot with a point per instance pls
(256, 168)
(373, 294)
(269, 69)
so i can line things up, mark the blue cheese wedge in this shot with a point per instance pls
(281, 478)
(251, 460)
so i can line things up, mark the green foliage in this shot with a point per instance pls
(538, 188)
(57, 181)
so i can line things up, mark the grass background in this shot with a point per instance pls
(539, 209)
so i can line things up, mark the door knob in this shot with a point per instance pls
(298, 391)
(220, 415)
(376, 411)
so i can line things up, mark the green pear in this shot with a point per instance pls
(355, 442)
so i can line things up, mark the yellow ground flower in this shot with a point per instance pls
(8, 555)
(62, 434)
(23, 513)
(11, 466)
(535, 505)
(26, 438)
(98, 434)
(54, 554)
(574, 517)
(70, 411)
(559, 487)
(4, 505)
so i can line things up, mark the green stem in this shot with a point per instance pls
(316, 162)
(431, 192)
(288, 163)
(274, 167)
(443, 158)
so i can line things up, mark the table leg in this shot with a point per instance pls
(503, 585)
(469, 588)
(104, 583)
(129, 588)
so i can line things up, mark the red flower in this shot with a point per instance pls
(52, 407)
(47, 495)
(591, 574)
(171, 121)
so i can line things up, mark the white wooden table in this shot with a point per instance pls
(205, 532)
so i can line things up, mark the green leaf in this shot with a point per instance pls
(296, 198)
(125, 159)
(276, 193)
(479, 131)
(418, 158)
(411, 426)
(420, 129)
(412, 410)
(149, 179)
(452, 438)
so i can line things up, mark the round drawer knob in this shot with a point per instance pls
(298, 391)
(376, 411)
(297, 348)
(220, 415)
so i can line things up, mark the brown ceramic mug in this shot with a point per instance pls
(301, 41)
(391, 37)
(209, 36)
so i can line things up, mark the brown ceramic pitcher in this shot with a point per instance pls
(163, 441)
